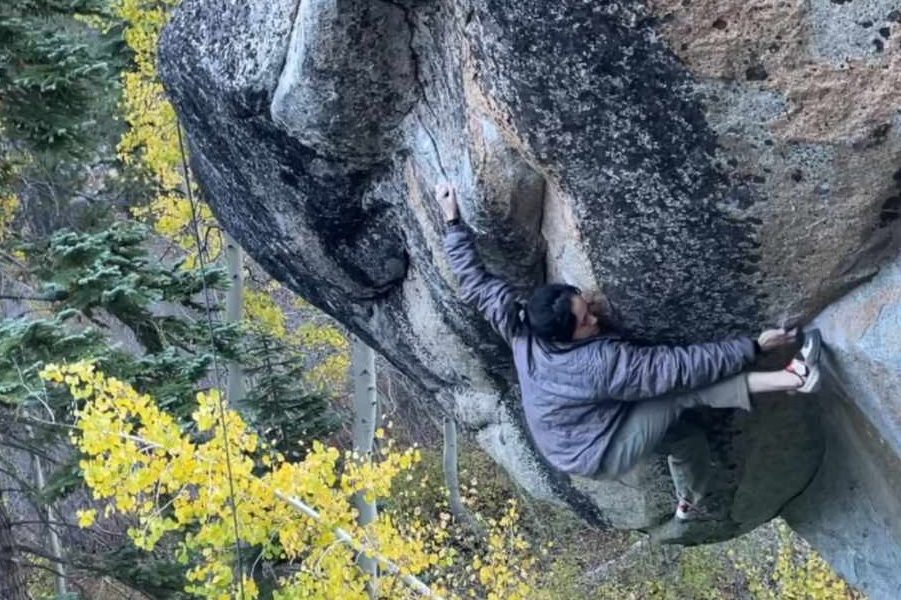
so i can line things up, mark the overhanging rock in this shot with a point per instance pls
(715, 167)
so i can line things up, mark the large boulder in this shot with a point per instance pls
(714, 167)
(851, 510)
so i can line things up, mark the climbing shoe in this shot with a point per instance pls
(686, 511)
(810, 349)
(808, 374)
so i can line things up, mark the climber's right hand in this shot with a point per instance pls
(447, 200)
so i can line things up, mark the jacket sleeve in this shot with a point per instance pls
(491, 295)
(628, 372)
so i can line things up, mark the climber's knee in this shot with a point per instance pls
(684, 442)
(728, 393)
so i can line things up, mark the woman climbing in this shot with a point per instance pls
(597, 405)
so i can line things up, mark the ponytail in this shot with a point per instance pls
(547, 316)
(518, 317)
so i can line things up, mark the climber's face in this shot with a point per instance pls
(586, 323)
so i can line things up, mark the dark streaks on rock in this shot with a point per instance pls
(890, 210)
(642, 121)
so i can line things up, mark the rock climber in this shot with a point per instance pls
(596, 405)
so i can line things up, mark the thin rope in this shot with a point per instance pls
(209, 318)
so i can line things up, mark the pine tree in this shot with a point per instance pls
(97, 288)
(286, 411)
(57, 73)
(60, 91)
(91, 283)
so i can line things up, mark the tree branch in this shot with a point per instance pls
(38, 298)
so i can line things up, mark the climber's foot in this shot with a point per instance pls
(808, 376)
(810, 349)
(688, 511)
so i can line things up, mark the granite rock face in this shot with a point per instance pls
(713, 167)
(859, 479)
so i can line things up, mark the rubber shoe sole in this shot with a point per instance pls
(811, 382)
(810, 350)
(686, 512)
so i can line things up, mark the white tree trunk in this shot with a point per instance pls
(234, 310)
(55, 546)
(451, 476)
(452, 479)
(365, 417)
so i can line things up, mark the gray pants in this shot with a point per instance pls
(653, 424)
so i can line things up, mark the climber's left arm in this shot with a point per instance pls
(493, 296)
(628, 372)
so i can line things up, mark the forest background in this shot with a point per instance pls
(175, 424)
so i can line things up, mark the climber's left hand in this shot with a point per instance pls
(446, 195)
(776, 338)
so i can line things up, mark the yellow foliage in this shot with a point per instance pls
(86, 518)
(323, 343)
(330, 346)
(331, 372)
(261, 310)
(140, 462)
(151, 118)
(796, 577)
(315, 336)
(501, 567)
(152, 135)
(9, 205)
(170, 214)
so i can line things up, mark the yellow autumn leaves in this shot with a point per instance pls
(9, 205)
(193, 482)
(795, 576)
(152, 139)
(152, 122)
(152, 135)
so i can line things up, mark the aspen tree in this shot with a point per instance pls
(365, 418)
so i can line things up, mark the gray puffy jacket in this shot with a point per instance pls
(576, 395)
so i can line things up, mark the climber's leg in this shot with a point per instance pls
(797, 376)
(641, 430)
(688, 456)
(654, 425)
(647, 422)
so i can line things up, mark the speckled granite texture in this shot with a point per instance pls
(716, 167)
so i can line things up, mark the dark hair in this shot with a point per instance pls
(549, 312)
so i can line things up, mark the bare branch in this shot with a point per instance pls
(411, 580)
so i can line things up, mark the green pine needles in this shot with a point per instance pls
(58, 74)
(101, 289)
